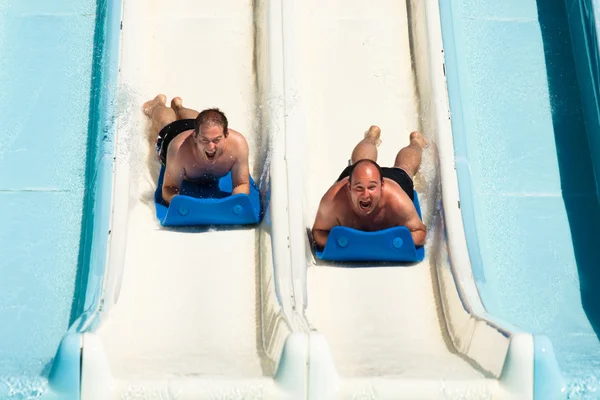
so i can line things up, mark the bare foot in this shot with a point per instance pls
(418, 139)
(372, 135)
(149, 106)
(176, 103)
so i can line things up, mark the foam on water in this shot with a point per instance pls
(24, 387)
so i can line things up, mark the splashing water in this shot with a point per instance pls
(22, 387)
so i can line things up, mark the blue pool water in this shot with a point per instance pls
(527, 187)
(46, 52)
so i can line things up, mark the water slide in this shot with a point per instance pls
(412, 331)
(249, 312)
(525, 125)
(46, 67)
(191, 312)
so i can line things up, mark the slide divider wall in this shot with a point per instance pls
(524, 363)
(65, 374)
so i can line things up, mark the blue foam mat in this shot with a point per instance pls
(388, 245)
(208, 204)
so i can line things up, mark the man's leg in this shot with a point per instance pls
(181, 111)
(367, 148)
(160, 114)
(409, 158)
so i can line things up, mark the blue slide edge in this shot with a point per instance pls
(548, 379)
(65, 375)
(200, 205)
(548, 382)
(388, 245)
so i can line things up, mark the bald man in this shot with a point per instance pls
(370, 198)
(196, 146)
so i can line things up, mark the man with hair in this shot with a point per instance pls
(368, 197)
(196, 146)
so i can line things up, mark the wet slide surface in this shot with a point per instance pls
(382, 321)
(45, 74)
(188, 300)
(525, 174)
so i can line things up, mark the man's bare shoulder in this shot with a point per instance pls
(238, 140)
(334, 201)
(237, 146)
(395, 190)
(398, 201)
(181, 140)
(179, 147)
(335, 190)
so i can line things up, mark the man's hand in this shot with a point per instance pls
(417, 228)
(168, 192)
(419, 235)
(243, 188)
(320, 237)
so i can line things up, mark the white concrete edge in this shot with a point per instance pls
(323, 380)
(97, 382)
(119, 216)
(103, 385)
(518, 374)
(492, 344)
(274, 116)
(288, 341)
(295, 147)
(287, 127)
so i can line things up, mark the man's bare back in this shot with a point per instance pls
(368, 201)
(197, 147)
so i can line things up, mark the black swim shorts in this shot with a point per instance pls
(169, 133)
(398, 175)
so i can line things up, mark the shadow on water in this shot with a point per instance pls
(575, 164)
(94, 132)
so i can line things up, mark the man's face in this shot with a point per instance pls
(211, 142)
(365, 189)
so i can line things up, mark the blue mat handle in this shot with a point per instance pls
(208, 204)
(388, 245)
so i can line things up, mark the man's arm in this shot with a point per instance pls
(326, 219)
(418, 230)
(407, 216)
(240, 172)
(173, 175)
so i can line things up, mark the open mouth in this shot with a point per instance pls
(364, 205)
(210, 156)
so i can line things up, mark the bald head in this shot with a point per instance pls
(366, 168)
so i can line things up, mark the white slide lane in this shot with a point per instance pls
(174, 278)
(167, 318)
(384, 320)
(384, 326)
(189, 312)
